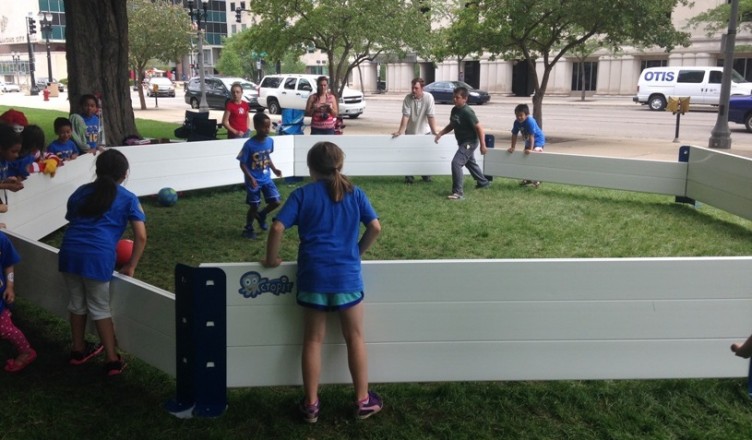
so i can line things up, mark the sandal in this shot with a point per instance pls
(16, 365)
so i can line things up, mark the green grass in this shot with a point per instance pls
(51, 400)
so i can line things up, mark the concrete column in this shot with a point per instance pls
(675, 60)
(604, 86)
(369, 76)
(703, 59)
(487, 75)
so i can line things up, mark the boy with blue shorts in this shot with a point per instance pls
(531, 133)
(257, 166)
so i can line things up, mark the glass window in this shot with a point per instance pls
(691, 76)
(585, 76)
(715, 77)
(290, 83)
(304, 85)
(652, 63)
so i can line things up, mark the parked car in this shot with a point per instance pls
(292, 90)
(43, 82)
(218, 92)
(160, 86)
(443, 91)
(740, 111)
(9, 87)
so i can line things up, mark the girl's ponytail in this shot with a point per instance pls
(112, 167)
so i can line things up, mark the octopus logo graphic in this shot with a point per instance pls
(252, 284)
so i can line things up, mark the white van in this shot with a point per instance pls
(702, 84)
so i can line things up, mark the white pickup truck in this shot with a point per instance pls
(292, 90)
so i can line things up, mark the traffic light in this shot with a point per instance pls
(237, 14)
(32, 25)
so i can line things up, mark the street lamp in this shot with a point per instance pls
(16, 57)
(196, 15)
(31, 28)
(45, 23)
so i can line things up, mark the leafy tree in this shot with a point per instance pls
(716, 20)
(158, 29)
(235, 60)
(546, 30)
(96, 35)
(349, 32)
(460, 39)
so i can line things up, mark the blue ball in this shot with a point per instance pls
(167, 197)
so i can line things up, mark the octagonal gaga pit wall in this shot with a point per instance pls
(445, 320)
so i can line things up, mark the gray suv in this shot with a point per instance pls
(218, 92)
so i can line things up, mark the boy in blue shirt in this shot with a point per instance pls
(86, 125)
(256, 164)
(531, 133)
(63, 146)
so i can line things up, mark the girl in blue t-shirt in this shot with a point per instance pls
(99, 213)
(328, 213)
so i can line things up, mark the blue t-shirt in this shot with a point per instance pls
(89, 243)
(255, 154)
(92, 130)
(328, 256)
(63, 150)
(8, 257)
(20, 166)
(527, 127)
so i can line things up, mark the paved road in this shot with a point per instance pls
(604, 126)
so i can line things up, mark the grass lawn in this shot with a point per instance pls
(52, 400)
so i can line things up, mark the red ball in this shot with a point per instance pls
(123, 252)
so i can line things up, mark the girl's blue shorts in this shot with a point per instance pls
(329, 302)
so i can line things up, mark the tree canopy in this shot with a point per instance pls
(349, 32)
(157, 30)
(716, 19)
(545, 30)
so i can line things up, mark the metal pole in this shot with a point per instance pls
(720, 136)
(33, 90)
(203, 106)
(49, 60)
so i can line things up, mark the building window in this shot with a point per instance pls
(743, 66)
(317, 70)
(652, 63)
(585, 76)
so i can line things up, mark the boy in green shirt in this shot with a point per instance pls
(469, 133)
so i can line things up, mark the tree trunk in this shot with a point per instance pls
(582, 77)
(538, 108)
(96, 34)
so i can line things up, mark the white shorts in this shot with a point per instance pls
(88, 296)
